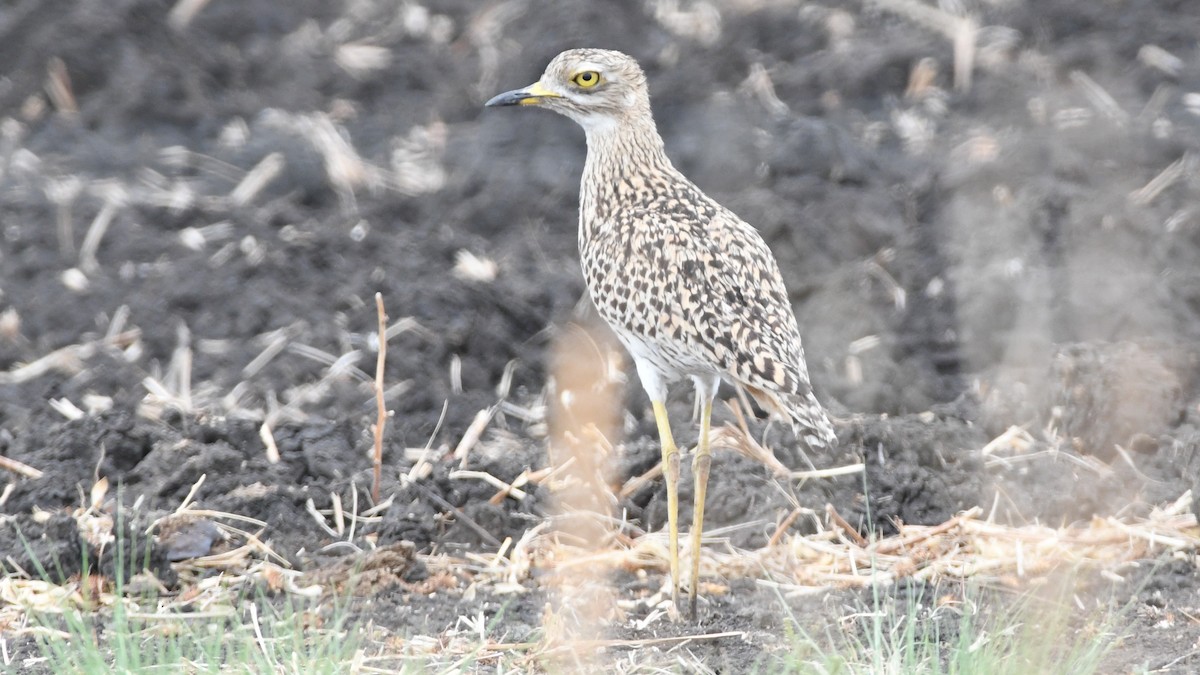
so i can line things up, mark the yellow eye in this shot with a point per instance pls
(587, 79)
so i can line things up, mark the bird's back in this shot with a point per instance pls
(669, 267)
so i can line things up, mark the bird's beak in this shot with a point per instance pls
(531, 95)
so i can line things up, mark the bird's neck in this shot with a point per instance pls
(626, 167)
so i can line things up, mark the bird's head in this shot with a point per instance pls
(597, 88)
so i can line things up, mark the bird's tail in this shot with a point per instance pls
(805, 413)
(809, 421)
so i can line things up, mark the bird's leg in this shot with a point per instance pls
(670, 465)
(700, 466)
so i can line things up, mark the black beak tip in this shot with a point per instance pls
(507, 98)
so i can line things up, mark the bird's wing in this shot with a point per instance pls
(727, 284)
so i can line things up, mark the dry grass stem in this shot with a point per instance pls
(506, 489)
(179, 371)
(114, 200)
(339, 519)
(187, 499)
(638, 482)
(1100, 99)
(902, 543)
(361, 60)
(784, 526)
(899, 295)
(353, 511)
(962, 30)
(1180, 168)
(311, 507)
(58, 87)
(828, 473)
(472, 435)
(372, 513)
(471, 267)
(960, 547)
(253, 543)
(1157, 57)
(209, 513)
(338, 365)
(406, 325)
(380, 404)
(423, 466)
(397, 390)
(759, 83)
(733, 438)
(1014, 439)
(259, 177)
(276, 344)
(268, 439)
(62, 193)
(19, 468)
(847, 529)
(67, 409)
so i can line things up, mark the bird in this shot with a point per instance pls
(690, 289)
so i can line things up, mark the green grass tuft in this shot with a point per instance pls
(144, 633)
(985, 633)
(256, 638)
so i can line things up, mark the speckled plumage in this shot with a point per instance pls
(683, 282)
(690, 289)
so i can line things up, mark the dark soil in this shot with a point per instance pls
(961, 261)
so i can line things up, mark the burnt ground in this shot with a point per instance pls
(196, 219)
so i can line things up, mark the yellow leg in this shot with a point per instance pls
(700, 466)
(670, 459)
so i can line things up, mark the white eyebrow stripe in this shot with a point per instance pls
(586, 66)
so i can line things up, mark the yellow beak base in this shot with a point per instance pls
(531, 95)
